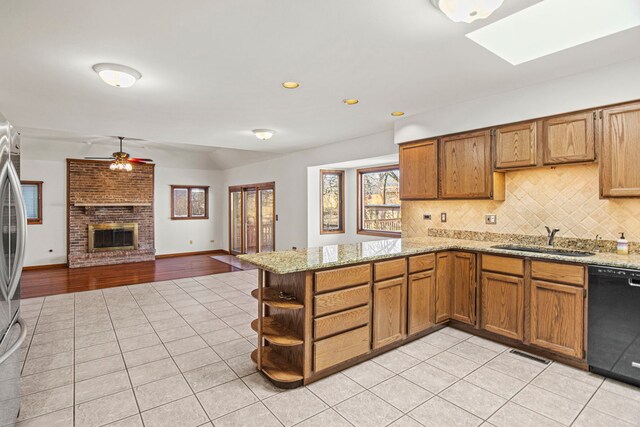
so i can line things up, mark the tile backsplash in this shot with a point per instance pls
(565, 197)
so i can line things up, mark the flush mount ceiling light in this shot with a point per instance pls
(291, 85)
(117, 75)
(350, 101)
(467, 10)
(397, 113)
(263, 134)
(551, 26)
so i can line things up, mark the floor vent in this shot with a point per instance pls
(530, 356)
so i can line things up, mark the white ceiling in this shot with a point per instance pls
(212, 69)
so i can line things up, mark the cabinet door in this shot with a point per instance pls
(516, 145)
(619, 171)
(557, 317)
(465, 168)
(389, 315)
(444, 286)
(502, 305)
(569, 139)
(422, 301)
(464, 287)
(419, 170)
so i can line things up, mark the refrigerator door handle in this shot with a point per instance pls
(18, 343)
(21, 230)
(5, 280)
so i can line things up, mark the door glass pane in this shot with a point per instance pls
(180, 202)
(250, 222)
(30, 194)
(266, 220)
(332, 202)
(198, 202)
(236, 221)
(381, 201)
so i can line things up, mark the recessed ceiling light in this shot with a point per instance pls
(263, 134)
(551, 26)
(397, 113)
(350, 101)
(117, 75)
(467, 10)
(291, 85)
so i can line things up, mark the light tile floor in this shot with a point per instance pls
(176, 353)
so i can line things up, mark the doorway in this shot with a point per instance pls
(252, 219)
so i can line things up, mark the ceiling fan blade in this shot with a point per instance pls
(99, 158)
(137, 160)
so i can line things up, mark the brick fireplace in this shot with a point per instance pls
(113, 207)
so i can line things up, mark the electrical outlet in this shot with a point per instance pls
(191, 242)
(491, 219)
(426, 217)
(443, 217)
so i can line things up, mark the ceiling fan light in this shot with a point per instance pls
(113, 166)
(128, 167)
(117, 75)
(467, 10)
(263, 134)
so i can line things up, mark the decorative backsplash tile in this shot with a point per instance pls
(565, 197)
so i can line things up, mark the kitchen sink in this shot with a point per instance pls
(542, 250)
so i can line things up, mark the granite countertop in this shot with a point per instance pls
(284, 262)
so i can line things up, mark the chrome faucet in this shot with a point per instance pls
(551, 234)
(596, 248)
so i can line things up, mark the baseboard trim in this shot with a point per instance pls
(213, 252)
(44, 267)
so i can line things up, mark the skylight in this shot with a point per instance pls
(554, 25)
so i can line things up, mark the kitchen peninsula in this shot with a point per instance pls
(324, 309)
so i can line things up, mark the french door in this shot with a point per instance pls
(252, 226)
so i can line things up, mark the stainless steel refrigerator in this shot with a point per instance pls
(13, 229)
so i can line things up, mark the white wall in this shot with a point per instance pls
(601, 86)
(46, 161)
(290, 174)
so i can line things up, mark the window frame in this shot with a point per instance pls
(341, 173)
(38, 220)
(359, 212)
(189, 188)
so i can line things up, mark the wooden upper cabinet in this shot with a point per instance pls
(464, 287)
(557, 317)
(389, 311)
(569, 139)
(419, 170)
(465, 166)
(516, 146)
(620, 157)
(422, 301)
(502, 299)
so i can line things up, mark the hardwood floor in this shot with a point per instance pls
(53, 281)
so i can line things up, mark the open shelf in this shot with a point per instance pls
(275, 333)
(271, 298)
(277, 367)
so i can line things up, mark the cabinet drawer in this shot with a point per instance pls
(501, 264)
(555, 272)
(422, 262)
(389, 269)
(337, 349)
(342, 277)
(338, 322)
(341, 300)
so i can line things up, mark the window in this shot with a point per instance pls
(379, 201)
(189, 202)
(32, 193)
(331, 201)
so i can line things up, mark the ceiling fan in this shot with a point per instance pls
(121, 160)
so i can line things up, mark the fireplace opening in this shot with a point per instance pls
(113, 237)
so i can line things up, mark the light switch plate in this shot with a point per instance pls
(443, 217)
(491, 219)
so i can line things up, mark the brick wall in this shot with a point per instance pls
(93, 182)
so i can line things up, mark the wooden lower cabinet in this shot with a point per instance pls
(339, 348)
(502, 310)
(389, 311)
(464, 287)
(557, 317)
(444, 286)
(422, 301)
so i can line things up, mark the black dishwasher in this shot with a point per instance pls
(614, 323)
